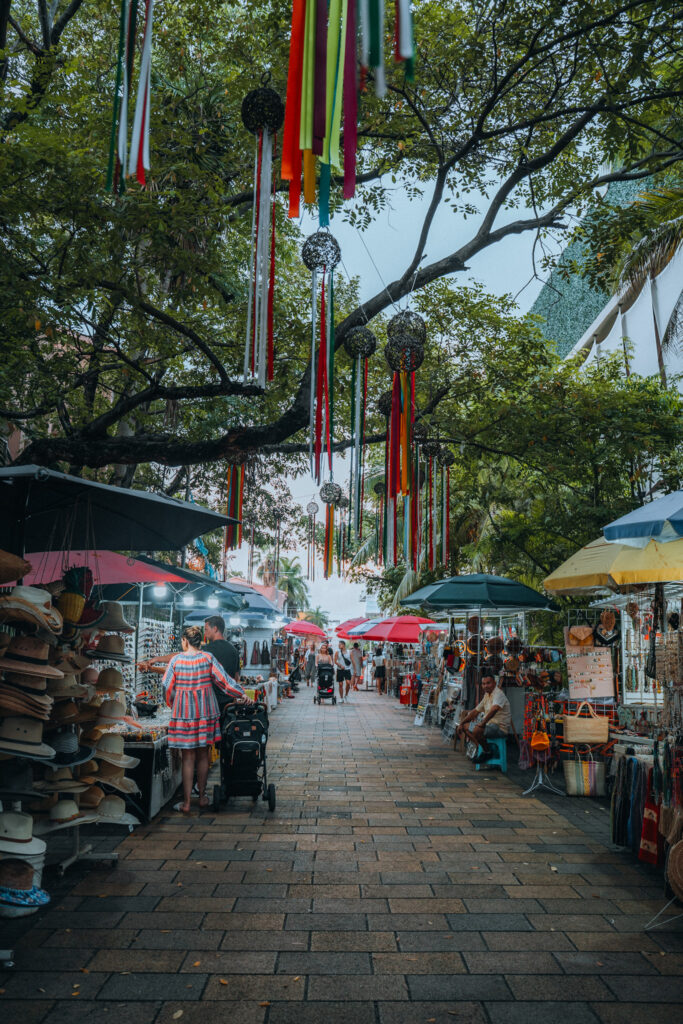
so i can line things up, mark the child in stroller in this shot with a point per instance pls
(325, 684)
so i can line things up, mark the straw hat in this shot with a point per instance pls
(14, 702)
(92, 798)
(12, 567)
(33, 605)
(90, 675)
(29, 655)
(68, 687)
(674, 869)
(113, 620)
(24, 736)
(16, 834)
(64, 814)
(109, 680)
(69, 662)
(87, 771)
(43, 805)
(110, 648)
(61, 780)
(112, 775)
(68, 749)
(113, 809)
(33, 686)
(16, 780)
(110, 711)
(16, 885)
(110, 748)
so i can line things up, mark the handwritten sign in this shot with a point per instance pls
(589, 671)
(423, 703)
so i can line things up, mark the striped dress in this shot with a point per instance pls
(189, 693)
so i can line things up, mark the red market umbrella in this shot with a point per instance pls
(398, 629)
(342, 630)
(300, 627)
(107, 567)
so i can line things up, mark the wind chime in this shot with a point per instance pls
(330, 493)
(446, 459)
(343, 506)
(135, 161)
(404, 353)
(360, 343)
(322, 90)
(262, 115)
(431, 450)
(321, 254)
(312, 509)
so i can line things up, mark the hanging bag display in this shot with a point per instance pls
(589, 728)
(583, 775)
(540, 740)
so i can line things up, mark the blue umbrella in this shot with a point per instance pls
(660, 520)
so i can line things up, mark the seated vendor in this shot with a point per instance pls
(496, 722)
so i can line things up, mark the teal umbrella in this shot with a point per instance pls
(479, 590)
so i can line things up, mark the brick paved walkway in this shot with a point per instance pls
(393, 885)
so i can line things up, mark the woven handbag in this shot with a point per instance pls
(589, 728)
(584, 777)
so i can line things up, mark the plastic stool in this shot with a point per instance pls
(500, 760)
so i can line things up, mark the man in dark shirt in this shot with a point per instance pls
(223, 651)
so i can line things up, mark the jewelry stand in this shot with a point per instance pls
(669, 920)
(541, 780)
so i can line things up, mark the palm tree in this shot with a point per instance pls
(316, 615)
(664, 210)
(290, 579)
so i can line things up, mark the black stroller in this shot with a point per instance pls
(243, 755)
(325, 684)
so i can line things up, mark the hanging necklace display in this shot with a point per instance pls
(380, 490)
(121, 162)
(312, 509)
(446, 458)
(330, 493)
(322, 86)
(321, 254)
(431, 449)
(404, 353)
(360, 343)
(262, 115)
(387, 521)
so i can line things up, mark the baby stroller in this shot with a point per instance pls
(325, 684)
(243, 755)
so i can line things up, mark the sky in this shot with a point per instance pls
(378, 256)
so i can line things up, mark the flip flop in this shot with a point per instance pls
(180, 809)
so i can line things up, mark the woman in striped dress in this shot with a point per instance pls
(195, 722)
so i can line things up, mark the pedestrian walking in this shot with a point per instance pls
(379, 663)
(357, 660)
(310, 664)
(343, 663)
(195, 723)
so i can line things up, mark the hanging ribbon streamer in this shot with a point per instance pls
(404, 42)
(139, 147)
(312, 509)
(233, 506)
(262, 115)
(330, 494)
(360, 343)
(321, 254)
(118, 142)
(446, 460)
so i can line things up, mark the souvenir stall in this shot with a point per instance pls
(63, 762)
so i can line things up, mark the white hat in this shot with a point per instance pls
(24, 736)
(110, 711)
(113, 809)
(61, 780)
(64, 814)
(110, 748)
(16, 834)
(33, 605)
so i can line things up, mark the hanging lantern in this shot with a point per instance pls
(330, 493)
(312, 509)
(121, 161)
(360, 343)
(262, 115)
(321, 254)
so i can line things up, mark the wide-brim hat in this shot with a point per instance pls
(12, 567)
(92, 798)
(65, 814)
(32, 686)
(112, 775)
(112, 810)
(110, 711)
(15, 704)
(110, 680)
(28, 655)
(66, 688)
(109, 650)
(16, 835)
(110, 748)
(16, 780)
(113, 620)
(69, 756)
(23, 735)
(70, 663)
(61, 780)
(674, 869)
(32, 605)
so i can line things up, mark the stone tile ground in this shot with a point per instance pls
(393, 885)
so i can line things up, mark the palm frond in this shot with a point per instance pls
(651, 253)
(408, 584)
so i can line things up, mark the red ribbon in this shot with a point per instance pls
(291, 154)
(252, 340)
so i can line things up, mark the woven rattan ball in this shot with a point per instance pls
(446, 457)
(262, 108)
(343, 502)
(407, 325)
(330, 493)
(312, 508)
(420, 431)
(321, 251)
(384, 403)
(431, 449)
(380, 488)
(404, 352)
(360, 341)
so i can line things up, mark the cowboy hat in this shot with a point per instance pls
(24, 736)
(110, 711)
(110, 648)
(92, 797)
(112, 775)
(12, 702)
(29, 656)
(109, 680)
(69, 751)
(61, 780)
(110, 748)
(64, 814)
(113, 810)
(16, 885)
(16, 834)
(67, 687)
(113, 620)
(30, 604)
(69, 662)
(16, 780)
(67, 712)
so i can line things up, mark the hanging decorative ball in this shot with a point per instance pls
(262, 109)
(343, 502)
(380, 488)
(330, 493)
(446, 457)
(321, 251)
(404, 352)
(360, 342)
(407, 325)
(384, 403)
(431, 449)
(312, 508)
(420, 430)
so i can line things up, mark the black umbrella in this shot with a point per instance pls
(41, 509)
(478, 590)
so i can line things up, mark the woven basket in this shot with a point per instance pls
(584, 777)
(586, 729)
(71, 606)
(12, 567)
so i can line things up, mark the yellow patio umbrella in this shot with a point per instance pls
(617, 566)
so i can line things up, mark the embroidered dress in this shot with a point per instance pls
(189, 692)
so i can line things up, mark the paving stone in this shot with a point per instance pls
(605, 963)
(351, 941)
(641, 989)
(256, 987)
(329, 963)
(502, 906)
(444, 942)
(52, 985)
(548, 988)
(440, 1013)
(60, 959)
(182, 939)
(509, 962)
(350, 987)
(320, 1013)
(541, 1013)
(25, 1010)
(137, 960)
(228, 962)
(633, 1013)
(71, 1011)
(418, 963)
(145, 987)
(612, 941)
(244, 922)
(90, 938)
(206, 1012)
(568, 922)
(468, 987)
(326, 922)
